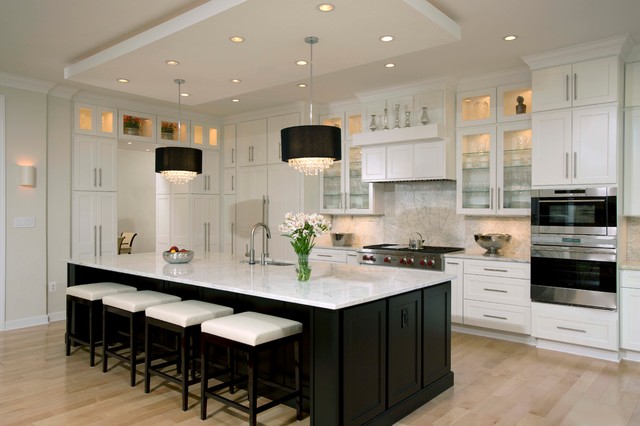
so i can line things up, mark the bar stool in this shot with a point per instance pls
(252, 333)
(130, 306)
(182, 319)
(89, 295)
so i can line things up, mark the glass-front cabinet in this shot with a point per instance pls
(95, 120)
(137, 126)
(204, 136)
(494, 170)
(476, 107)
(173, 131)
(341, 188)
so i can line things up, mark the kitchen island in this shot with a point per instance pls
(377, 341)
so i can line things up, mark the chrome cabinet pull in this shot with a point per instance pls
(100, 235)
(280, 151)
(575, 164)
(453, 263)
(495, 317)
(95, 240)
(233, 154)
(491, 200)
(232, 183)
(495, 270)
(495, 290)
(232, 239)
(566, 165)
(100, 175)
(566, 87)
(323, 255)
(575, 86)
(95, 171)
(499, 205)
(577, 330)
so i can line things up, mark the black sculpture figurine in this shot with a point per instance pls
(520, 108)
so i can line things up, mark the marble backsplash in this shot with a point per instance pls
(633, 238)
(430, 209)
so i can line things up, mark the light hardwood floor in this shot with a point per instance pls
(496, 383)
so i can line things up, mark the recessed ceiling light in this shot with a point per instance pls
(171, 62)
(147, 150)
(389, 65)
(301, 62)
(236, 39)
(302, 85)
(122, 80)
(185, 95)
(235, 100)
(386, 38)
(235, 80)
(510, 37)
(325, 7)
(129, 143)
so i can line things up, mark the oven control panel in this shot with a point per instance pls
(416, 261)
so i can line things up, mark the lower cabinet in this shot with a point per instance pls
(456, 267)
(322, 254)
(630, 310)
(393, 350)
(94, 217)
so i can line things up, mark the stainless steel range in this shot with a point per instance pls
(428, 258)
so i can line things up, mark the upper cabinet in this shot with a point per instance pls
(137, 126)
(204, 136)
(229, 151)
(173, 132)
(476, 107)
(582, 83)
(251, 141)
(274, 144)
(95, 164)
(95, 120)
(514, 102)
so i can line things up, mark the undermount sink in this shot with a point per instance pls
(271, 262)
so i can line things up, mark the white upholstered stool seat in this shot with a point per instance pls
(132, 307)
(183, 320)
(90, 296)
(251, 333)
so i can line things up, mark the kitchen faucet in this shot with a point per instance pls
(252, 251)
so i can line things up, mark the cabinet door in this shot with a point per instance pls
(429, 160)
(107, 164)
(551, 147)
(595, 81)
(163, 222)
(364, 362)
(455, 267)
(514, 169)
(251, 202)
(204, 136)
(274, 126)
(95, 120)
(180, 218)
(252, 142)
(400, 161)
(85, 169)
(84, 227)
(404, 323)
(551, 88)
(208, 182)
(284, 194)
(205, 223)
(631, 160)
(229, 178)
(630, 318)
(476, 189)
(436, 330)
(107, 220)
(595, 145)
(228, 223)
(374, 163)
(229, 145)
(476, 107)
(332, 190)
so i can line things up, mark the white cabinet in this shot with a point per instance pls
(329, 255)
(209, 181)
(577, 146)
(374, 163)
(251, 204)
(631, 200)
(228, 223)
(204, 136)
(95, 163)
(579, 84)
(136, 126)
(173, 221)
(274, 125)
(497, 295)
(251, 139)
(95, 120)
(205, 223)
(494, 170)
(229, 181)
(630, 310)
(284, 194)
(456, 267)
(95, 223)
(173, 131)
(571, 324)
(229, 146)
(476, 107)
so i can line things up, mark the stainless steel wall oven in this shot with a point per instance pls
(574, 247)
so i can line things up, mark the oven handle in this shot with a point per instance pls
(580, 200)
(574, 253)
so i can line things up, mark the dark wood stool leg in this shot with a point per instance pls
(184, 361)
(297, 349)
(147, 356)
(252, 387)
(133, 348)
(67, 339)
(105, 339)
(204, 377)
(92, 337)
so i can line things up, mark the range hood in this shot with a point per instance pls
(407, 154)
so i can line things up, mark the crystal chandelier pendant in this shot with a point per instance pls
(311, 166)
(179, 177)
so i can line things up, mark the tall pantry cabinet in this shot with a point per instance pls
(94, 212)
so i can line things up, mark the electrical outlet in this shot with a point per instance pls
(52, 286)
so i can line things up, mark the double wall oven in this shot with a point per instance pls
(574, 246)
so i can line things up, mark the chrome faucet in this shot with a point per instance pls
(252, 251)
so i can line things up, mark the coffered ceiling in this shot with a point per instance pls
(88, 44)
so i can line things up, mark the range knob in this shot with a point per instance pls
(403, 261)
(366, 257)
(427, 262)
(410, 261)
(387, 259)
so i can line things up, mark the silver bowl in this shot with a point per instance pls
(341, 239)
(178, 257)
(492, 242)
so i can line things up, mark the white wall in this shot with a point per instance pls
(137, 197)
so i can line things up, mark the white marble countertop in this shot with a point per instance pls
(332, 286)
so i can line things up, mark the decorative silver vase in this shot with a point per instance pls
(424, 118)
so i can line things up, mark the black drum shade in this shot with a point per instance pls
(178, 158)
(313, 141)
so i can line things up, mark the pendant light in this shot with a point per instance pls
(313, 148)
(178, 164)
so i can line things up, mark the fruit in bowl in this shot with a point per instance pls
(177, 255)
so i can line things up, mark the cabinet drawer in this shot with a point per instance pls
(630, 318)
(497, 268)
(630, 279)
(516, 319)
(497, 289)
(328, 255)
(580, 326)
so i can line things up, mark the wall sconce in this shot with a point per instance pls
(27, 176)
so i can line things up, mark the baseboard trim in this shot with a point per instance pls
(57, 316)
(604, 354)
(26, 322)
(494, 334)
(630, 355)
